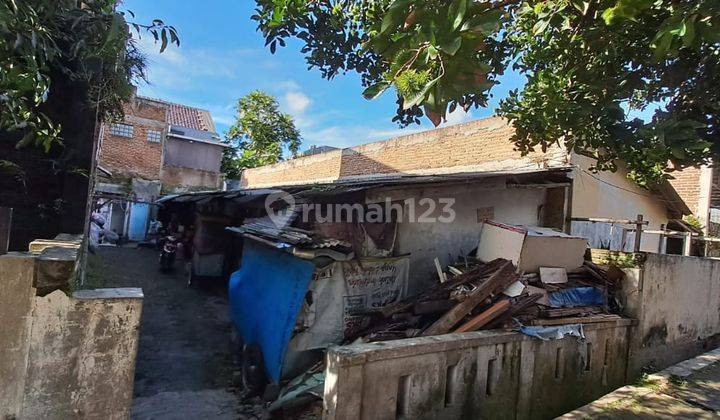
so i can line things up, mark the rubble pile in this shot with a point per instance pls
(472, 296)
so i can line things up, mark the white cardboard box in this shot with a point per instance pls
(530, 248)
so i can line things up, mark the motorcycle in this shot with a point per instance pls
(167, 254)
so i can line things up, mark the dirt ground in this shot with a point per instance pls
(185, 366)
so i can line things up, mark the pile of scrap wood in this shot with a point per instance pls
(479, 296)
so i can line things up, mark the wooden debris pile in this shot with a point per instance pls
(478, 296)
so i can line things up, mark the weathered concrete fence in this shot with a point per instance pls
(675, 305)
(63, 357)
(676, 300)
(484, 374)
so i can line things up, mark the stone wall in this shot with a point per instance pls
(63, 356)
(475, 375)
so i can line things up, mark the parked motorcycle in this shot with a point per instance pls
(167, 254)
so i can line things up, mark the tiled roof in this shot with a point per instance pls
(185, 116)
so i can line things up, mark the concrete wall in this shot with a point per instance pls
(193, 155)
(676, 300)
(186, 178)
(613, 195)
(475, 375)
(425, 241)
(64, 357)
(16, 302)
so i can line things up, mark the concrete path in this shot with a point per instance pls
(688, 390)
(185, 367)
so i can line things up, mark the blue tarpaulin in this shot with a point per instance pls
(266, 295)
(576, 296)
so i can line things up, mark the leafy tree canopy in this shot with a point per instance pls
(589, 64)
(259, 135)
(88, 42)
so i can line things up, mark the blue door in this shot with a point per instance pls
(139, 213)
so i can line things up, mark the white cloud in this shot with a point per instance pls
(181, 68)
(297, 102)
(288, 85)
(352, 135)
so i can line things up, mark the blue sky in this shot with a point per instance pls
(222, 58)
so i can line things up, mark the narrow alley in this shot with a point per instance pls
(185, 362)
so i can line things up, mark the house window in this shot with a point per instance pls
(122, 130)
(154, 136)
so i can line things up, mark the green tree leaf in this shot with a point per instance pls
(259, 135)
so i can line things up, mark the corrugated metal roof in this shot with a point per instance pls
(184, 133)
(349, 186)
(264, 228)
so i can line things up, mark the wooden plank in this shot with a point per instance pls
(442, 290)
(604, 220)
(576, 320)
(521, 304)
(497, 282)
(638, 233)
(485, 317)
(433, 307)
(5, 225)
(570, 312)
(438, 267)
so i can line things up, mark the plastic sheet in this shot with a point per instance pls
(554, 333)
(265, 297)
(576, 296)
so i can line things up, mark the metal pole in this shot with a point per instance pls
(638, 232)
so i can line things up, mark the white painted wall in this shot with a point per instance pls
(612, 195)
(425, 241)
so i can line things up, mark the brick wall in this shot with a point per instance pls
(687, 184)
(135, 156)
(715, 189)
(323, 167)
(478, 146)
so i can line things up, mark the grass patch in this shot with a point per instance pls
(98, 273)
(645, 382)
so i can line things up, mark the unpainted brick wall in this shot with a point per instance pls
(687, 185)
(483, 145)
(134, 156)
